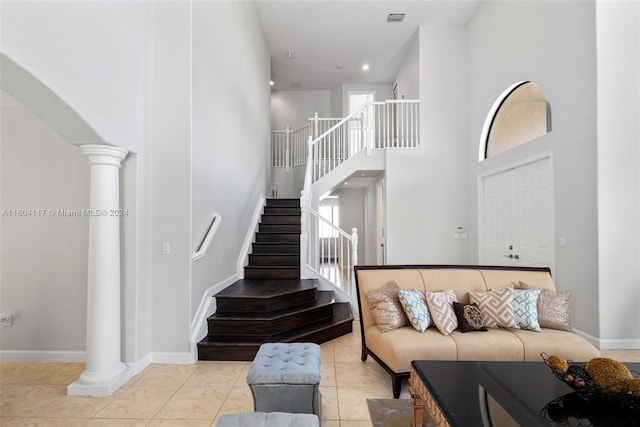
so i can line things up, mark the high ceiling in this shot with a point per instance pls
(322, 35)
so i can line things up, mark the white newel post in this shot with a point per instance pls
(287, 149)
(104, 371)
(354, 246)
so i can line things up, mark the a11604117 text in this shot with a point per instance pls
(23, 213)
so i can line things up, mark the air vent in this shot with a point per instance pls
(395, 17)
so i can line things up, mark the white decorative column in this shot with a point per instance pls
(104, 372)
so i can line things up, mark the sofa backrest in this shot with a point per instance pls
(437, 278)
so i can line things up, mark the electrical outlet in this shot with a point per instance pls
(6, 319)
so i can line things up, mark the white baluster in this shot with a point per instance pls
(354, 246)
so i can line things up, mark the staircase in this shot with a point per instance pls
(272, 303)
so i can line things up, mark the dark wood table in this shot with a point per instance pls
(457, 394)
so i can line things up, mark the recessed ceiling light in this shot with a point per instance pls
(395, 17)
(346, 182)
(338, 66)
(365, 67)
(271, 83)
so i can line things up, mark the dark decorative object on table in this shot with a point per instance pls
(596, 401)
(589, 408)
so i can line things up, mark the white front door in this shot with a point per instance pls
(517, 224)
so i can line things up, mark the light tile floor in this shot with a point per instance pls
(34, 394)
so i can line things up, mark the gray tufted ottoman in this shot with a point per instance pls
(271, 419)
(285, 377)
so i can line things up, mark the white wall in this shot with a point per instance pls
(295, 107)
(336, 101)
(408, 77)
(553, 45)
(169, 148)
(230, 132)
(351, 204)
(43, 256)
(370, 226)
(290, 183)
(618, 46)
(426, 189)
(74, 48)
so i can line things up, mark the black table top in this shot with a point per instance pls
(524, 389)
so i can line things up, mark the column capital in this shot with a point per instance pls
(104, 154)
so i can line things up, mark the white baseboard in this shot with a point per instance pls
(42, 356)
(173, 358)
(141, 364)
(619, 344)
(80, 357)
(607, 344)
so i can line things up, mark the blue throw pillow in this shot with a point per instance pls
(415, 307)
(525, 307)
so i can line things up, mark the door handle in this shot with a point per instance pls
(510, 256)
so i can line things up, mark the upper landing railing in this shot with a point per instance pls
(378, 125)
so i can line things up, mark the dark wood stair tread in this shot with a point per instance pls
(340, 324)
(266, 288)
(323, 298)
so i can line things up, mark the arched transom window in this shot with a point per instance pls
(522, 113)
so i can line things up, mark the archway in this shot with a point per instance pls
(520, 114)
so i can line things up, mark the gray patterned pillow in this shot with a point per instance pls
(385, 307)
(441, 309)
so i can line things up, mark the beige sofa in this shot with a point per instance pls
(395, 350)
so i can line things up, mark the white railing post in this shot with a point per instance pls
(316, 131)
(287, 149)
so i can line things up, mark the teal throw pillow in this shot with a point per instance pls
(525, 307)
(415, 307)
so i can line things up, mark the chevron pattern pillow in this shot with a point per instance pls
(415, 307)
(496, 307)
(441, 309)
(525, 307)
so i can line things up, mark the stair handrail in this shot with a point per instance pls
(342, 258)
(340, 144)
(208, 237)
(341, 122)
